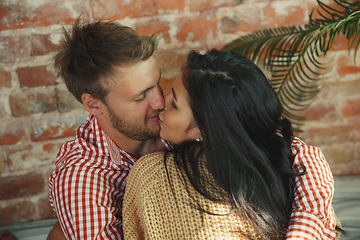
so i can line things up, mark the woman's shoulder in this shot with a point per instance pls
(149, 164)
(147, 169)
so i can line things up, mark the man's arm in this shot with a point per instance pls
(312, 215)
(56, 233)
(86, 201)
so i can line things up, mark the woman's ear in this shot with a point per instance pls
(91, 104)
(195, 134)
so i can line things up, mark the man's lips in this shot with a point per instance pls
(154, 118)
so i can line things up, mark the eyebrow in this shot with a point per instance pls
(174, 94)
(142, 92)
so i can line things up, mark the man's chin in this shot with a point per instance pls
(152, 134)
(144, 136)
(154, 127)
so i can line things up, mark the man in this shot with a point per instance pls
(111, 70)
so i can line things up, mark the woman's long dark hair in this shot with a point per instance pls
(239, 114)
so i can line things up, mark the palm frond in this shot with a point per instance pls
(293, 54)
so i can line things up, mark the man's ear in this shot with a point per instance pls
(91, 104)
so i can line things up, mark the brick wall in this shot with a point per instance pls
(37, 113)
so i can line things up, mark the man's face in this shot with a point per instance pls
(134, 104)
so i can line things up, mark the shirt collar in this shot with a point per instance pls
(117, 155)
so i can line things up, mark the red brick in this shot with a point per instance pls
(44, 209)
(328, 135)
(341, 169)
(339, 155)
(11, 137)
(170, 64)
(351, 108)
(121, 9)
(26, 210)
(2, 111)
(343, 159)
(348, 69)
(357, 132)
(3, 163)
(48, 147)
(14, 48)
(24, 156)
(340, 90)
(115, 10)
(233, 25)
(67, 102)
(35, 77)
(159, 29)
(166, 84)
(294, 15)
(21, 186)
(5, 79)
(52, 129)
(196, 29)
(25, 15)
(346, 66)
(41, 44)
(170, 5)
(317, 112)
(17, 211)
(28, 103)
(341, 43)
(169, 61)
(202, 5)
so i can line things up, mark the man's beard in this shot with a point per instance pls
(131, 130)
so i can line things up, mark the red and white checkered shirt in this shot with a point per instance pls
(88, 183)
(312, 214)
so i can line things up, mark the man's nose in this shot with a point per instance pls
(159, 101)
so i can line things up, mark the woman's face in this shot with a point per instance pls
(176, 121)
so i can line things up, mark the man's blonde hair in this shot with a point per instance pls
(87, 56)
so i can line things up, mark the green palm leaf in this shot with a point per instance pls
(294, 54)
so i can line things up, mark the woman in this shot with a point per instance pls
(232, 172)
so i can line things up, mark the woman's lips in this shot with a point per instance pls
(160, 121)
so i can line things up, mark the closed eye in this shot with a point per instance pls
(141, 97)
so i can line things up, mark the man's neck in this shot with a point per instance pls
(134, 147)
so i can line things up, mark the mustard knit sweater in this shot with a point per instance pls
(151, 211)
